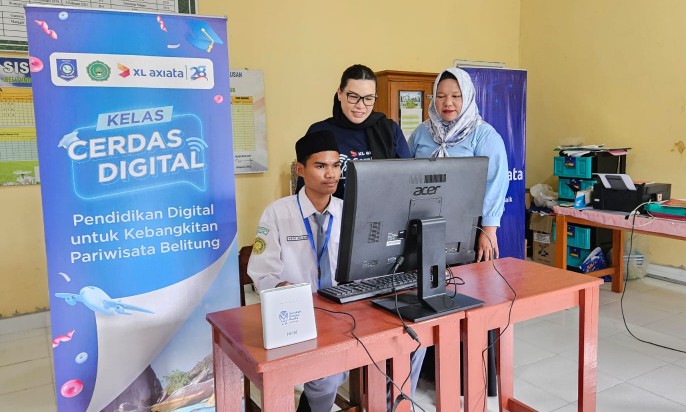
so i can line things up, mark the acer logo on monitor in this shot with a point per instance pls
(428, 190)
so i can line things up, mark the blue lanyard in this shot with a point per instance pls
(310, 236)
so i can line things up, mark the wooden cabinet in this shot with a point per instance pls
(389, 84)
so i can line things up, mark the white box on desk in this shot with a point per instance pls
(287, 315)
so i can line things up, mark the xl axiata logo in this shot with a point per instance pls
(123, 70)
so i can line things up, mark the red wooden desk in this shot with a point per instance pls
(618, 222)
(540, 290)
(237, 349)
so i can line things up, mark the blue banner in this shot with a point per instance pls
(133, 124)
(501, 98)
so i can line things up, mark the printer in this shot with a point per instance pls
(619, 192)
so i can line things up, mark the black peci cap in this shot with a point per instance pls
(315, 142)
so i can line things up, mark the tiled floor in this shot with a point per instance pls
(26, 379)
(632, 376)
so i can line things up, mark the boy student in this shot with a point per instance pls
(297, 241)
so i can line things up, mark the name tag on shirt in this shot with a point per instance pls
(296, 238)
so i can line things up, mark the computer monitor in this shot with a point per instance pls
(425, 210)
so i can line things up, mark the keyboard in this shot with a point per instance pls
(367, 288)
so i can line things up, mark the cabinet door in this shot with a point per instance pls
(396, 87)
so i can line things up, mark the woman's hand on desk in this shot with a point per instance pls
(484, 251)
(284, 283)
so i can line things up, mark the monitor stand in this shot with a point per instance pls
(431, 299)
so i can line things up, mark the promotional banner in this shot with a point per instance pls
(501, 98)
(133, 124)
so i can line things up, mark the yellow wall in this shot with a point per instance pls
(302, 47)
(612, 72)
(23, 277)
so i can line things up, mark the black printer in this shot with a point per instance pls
(618, 192)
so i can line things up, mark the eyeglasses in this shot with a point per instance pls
(354, 98)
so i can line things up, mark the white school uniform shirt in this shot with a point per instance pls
(282, 250)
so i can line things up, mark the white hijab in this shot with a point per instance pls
(448, 134)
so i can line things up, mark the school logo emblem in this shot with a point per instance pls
(259, 246)
(98, 71)
(66, 69)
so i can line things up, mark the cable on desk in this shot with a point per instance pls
(502, 330)
(626, 278)
(453, 280)
(388, 378)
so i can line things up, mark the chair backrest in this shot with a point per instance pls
(243, 259)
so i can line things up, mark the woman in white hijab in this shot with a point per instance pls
(455, 129)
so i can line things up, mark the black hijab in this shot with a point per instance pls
(378, 129)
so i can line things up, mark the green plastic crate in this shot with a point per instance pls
(584, 167)
(576, 236)
(580, 167)
(565, 192)
(575, 256)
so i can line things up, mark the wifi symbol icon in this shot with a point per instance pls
(196, 144)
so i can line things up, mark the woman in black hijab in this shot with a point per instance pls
(361, 133)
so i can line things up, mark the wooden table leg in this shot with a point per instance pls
(227, 380)
(400, 370)
(448, 365)
(475, 340)
(277, 393)
(618, 260)
(376, 387)
(588, 348)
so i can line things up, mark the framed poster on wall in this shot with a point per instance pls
(249, 121)
(410, 111)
